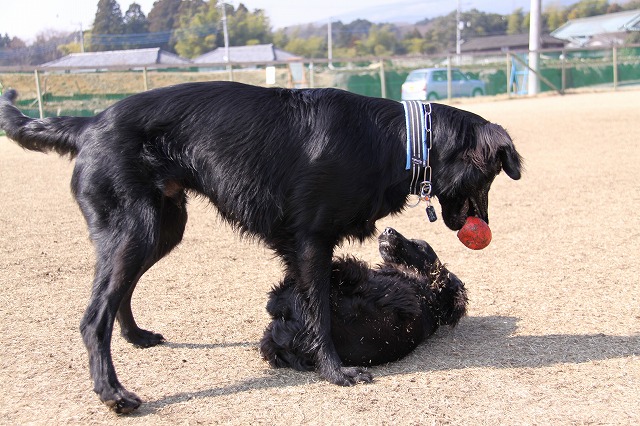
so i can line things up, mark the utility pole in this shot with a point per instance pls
(227, 55)
(225, 32)
(81, 39)
(534, 47)
(458, 31)
(330, 44)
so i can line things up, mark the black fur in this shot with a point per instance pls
(377, 315)
(300, 169)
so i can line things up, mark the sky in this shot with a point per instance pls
(27, 18)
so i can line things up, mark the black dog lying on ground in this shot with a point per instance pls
(377, 315)
(302, 170)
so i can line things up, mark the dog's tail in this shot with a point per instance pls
(59, 134)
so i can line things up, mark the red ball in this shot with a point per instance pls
(475, 233)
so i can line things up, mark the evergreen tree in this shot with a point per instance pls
(162, 16)
(136, 25)
(107, 23)
(134, 21)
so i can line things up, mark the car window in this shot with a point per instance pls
(439, 76)
(457, 76)
(416, 76)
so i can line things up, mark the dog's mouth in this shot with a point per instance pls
(470, 207)
(388, 243)
(388, 250)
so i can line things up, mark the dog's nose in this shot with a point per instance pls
(389, 231)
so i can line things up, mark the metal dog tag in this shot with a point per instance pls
(431, 212)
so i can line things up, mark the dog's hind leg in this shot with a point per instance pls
(172, 223)
(127, 243)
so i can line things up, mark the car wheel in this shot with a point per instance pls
(433, 96)
(477, 92)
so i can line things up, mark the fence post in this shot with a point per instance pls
(508, 74)
(615, 68)
(312, 79)
(563, 62)
(383, 83)
(39, 94)
(449, 83)
(144, 77)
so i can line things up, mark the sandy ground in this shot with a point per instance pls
(552, 335)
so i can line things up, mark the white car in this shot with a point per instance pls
(430, 84)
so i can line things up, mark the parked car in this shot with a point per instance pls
(431, 84)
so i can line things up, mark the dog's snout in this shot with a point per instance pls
(389, 231)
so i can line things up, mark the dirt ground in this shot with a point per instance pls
(552, 335)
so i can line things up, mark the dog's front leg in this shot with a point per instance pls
(314, 266)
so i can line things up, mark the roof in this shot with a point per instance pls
(507, 42)
(246, 54)
(115, 58)
(585, 28)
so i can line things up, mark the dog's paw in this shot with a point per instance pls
(142, 338)
(121, 401)
(349, 376)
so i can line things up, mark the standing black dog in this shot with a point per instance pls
(301, 169)
(377, 315)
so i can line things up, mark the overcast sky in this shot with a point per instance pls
(27, 18)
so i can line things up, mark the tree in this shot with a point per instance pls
(43, 49)
(13, 51)
(163, 19)
(348, 35)
(554, 17)
(136, 26)
(280, 38)
(201, 32)
(631, 5)
(107, 23)
(134, 21)
(5, 41)
(413, 43)
(162, 16)
(312, 47)
(248, 28)
(586, 8)
(514, 23)
(382, 41)
(483, 24)
(197, 32)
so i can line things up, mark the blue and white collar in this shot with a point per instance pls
(419, 142)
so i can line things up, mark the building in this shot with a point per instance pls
(249, 55)
(254, 56)
(611, 29)
(503, 43)
(128, 59)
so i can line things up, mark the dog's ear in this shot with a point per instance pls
(511, 161)
(500, 145)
